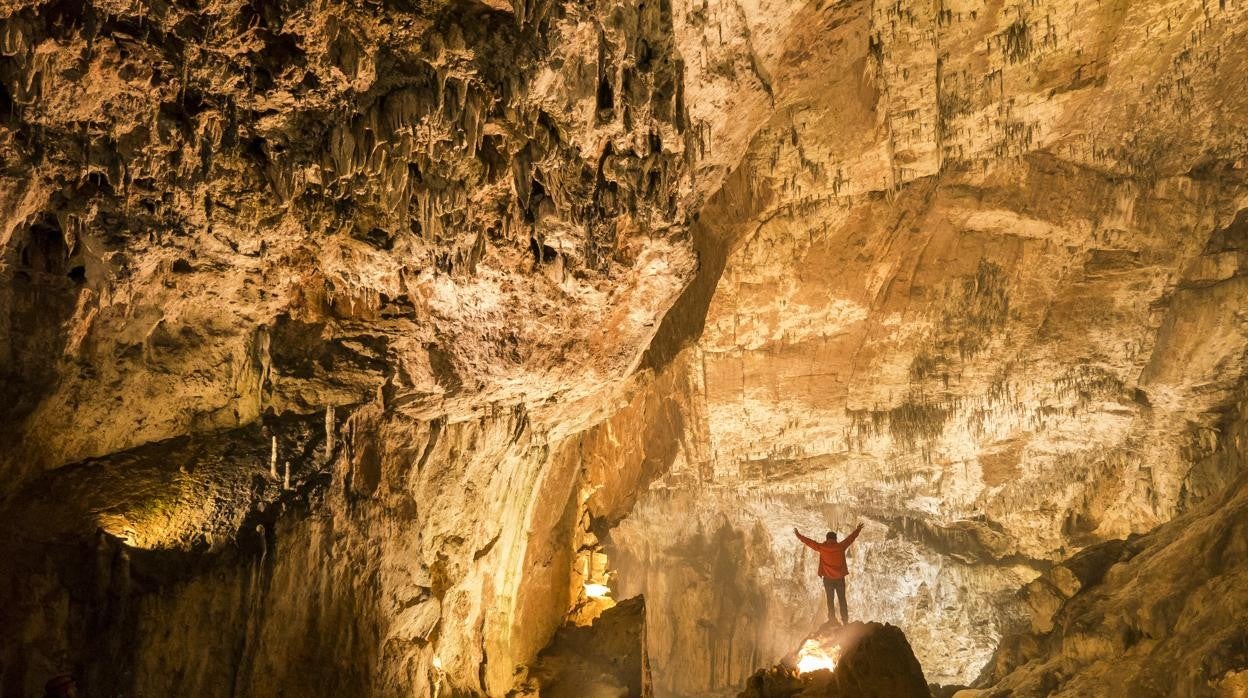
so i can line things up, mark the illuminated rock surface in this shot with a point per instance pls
(343, 345)
(873, 660)
(1161, 614)
(603, 660)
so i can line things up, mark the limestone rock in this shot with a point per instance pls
(342, 345)
(1167, 619)
(604, 660)
(873, 659)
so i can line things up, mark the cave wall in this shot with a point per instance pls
(730, 589)
(480, 271)
(981, 294)
(455, 540)
(1157, 614)
(309, 318)
(226, 210)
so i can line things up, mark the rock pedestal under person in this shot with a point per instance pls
(832, 567)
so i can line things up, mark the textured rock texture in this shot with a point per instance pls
(315, 322)
(738, 591)
(1163, 614)
(985, 297)
(237, 209)
(874, 660)
(340, 342)
(604, 660)
(454, 540)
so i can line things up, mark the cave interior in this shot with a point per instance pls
(458, 348)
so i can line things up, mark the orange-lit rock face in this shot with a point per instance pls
(356, 331)
(312, 311)
(986, 391)
(212, 213)
(984, 299)
(815, 656)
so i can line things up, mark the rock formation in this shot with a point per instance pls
(973, 304)
(1160, 614)
(602, 660)
(356, 349)
(871, 660)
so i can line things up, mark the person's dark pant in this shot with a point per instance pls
(835, 587)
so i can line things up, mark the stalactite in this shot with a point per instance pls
(331, 431)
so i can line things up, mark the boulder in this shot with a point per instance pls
(871, 659)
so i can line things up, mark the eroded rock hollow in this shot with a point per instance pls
(386, 348)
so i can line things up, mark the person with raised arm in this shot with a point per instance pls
(832, 567)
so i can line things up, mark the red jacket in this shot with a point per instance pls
(832, 554)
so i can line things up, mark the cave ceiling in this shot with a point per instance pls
(464, 298)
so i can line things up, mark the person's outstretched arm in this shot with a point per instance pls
(849, 540)
(809, 543)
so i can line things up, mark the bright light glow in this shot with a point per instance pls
(597, 591)
(437, 663)
(814, 656)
